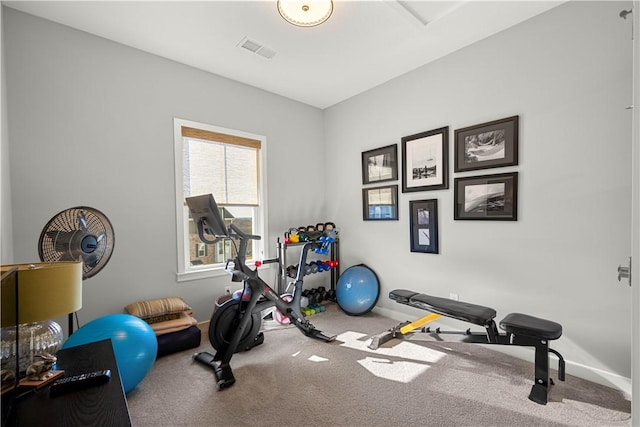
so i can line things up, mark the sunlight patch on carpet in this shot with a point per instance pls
(403, 371)
(403, 349)
(315, 358)
(399, 371)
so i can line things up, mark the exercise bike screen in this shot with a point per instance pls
(205, 209)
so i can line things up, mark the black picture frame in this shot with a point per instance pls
(380, 203)
(486, 197)
(380, 164)
(487, 145)
(424, 226)
(425, 160)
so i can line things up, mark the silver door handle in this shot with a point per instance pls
(624, 272)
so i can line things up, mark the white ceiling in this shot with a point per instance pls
(363, 44)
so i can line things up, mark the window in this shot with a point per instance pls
(230, 165)
(202, 251)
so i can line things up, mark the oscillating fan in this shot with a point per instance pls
(78, 234)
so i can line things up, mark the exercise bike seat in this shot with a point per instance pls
(472, 313)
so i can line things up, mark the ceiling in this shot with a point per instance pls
(363, 44)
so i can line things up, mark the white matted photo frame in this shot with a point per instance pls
(380, 165)
(487, 145)
(424, 226)
(425, 159)
(486, 197)
(380, 203)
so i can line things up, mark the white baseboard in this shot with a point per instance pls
(600, 376)
(579, 370)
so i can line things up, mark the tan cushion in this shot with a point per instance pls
(183, 322)
(164, 317)
(157, 307)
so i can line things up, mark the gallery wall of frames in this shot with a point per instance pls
(488, 195)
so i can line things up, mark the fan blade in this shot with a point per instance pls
(101, 236)
(91, 260)
(67, 244)
(82, 221)
(66, 256)
(61, 239)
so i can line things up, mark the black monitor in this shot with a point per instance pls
(206, 216)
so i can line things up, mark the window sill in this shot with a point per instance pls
(206, 273)
(186, 276)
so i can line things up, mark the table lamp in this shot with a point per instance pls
(33, 295)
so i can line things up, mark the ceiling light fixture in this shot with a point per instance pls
(305, 13)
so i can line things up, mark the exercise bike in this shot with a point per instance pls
(235, 325)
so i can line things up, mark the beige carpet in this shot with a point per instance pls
(291, 380)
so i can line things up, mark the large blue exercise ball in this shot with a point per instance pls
(357, 290)
(134, 344)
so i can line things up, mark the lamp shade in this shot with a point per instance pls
(46, 290)
(305, 13)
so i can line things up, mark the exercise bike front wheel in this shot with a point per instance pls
(224, 323)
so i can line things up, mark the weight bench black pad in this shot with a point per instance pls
(459, 310)
(523, 324)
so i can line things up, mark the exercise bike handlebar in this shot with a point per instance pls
(202, 226)
(320, 246)
(242, 235)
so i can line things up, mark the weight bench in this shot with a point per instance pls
(520, 330)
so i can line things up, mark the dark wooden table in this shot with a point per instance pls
(103, 405)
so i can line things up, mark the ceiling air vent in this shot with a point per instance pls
(257, 48)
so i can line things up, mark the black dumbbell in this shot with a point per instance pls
(323, 293)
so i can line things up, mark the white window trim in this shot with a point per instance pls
(182, 230)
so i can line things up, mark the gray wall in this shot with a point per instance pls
(6, 225)
(567, 74)
(91, 123)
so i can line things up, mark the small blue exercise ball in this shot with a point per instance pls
(357, 290)
(134, 344)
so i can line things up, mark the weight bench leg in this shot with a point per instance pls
(540, 390)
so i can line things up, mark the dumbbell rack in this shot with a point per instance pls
(334, 254)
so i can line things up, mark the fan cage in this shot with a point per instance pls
(62, 239)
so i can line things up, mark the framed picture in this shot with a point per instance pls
(488, 145)
(425, 158)
(424, 226)
(487, 197)
(380, 203)
(380, 165)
